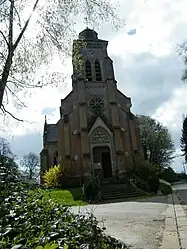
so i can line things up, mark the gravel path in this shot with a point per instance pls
(138, 223)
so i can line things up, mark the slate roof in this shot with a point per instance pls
(50, 133)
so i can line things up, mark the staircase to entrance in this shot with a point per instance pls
(118, 191)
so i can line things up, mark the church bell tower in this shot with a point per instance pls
(90, 58)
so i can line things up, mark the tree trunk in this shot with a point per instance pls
(30, 174)
(8, 63)
(5, 75)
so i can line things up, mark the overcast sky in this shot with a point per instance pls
(147, 68)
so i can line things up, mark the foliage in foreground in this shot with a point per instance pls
(28, 221)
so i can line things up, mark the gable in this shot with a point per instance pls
(100, 123)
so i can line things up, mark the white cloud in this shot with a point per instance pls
(154, 22)
(170, 113)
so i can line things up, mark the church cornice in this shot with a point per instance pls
(123, 94)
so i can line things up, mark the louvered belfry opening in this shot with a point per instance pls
(88, 71)
(98, 71)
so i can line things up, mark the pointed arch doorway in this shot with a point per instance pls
(102, 155)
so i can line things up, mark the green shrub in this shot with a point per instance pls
(153, 183)
(165, 189)
(52, 176)
(29, 220)
(145, 177)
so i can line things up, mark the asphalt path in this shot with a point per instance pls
(137, 223)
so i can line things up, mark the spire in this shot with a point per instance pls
(45, 131)
(45, 125)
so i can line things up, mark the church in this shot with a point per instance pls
(96, 134)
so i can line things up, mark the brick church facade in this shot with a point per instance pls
(97, 134)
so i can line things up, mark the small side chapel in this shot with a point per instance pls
(97, 134)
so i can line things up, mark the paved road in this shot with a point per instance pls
(137, 223)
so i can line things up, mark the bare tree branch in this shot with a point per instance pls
(26, 25)
(16, 97)
(18, 83)
(19, 19)
(3, 56)
(11, 20)
(1, 32)
(5, 111)
(6, 93)
(2, 2)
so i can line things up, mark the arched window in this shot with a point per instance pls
(55, 159)
(88, 71)
(98, 71)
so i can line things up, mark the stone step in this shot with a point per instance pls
(114, 186)
(118, 191)
(110, 197)
(122, 194)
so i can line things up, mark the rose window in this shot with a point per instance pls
(96, 105)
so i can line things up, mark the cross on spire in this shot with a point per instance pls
(86, 21)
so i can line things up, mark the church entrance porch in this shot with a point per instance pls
(102, 161)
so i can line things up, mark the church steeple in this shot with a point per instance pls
(90, 58)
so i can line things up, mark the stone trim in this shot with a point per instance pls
(107, 141)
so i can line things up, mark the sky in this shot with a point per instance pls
(147, 68)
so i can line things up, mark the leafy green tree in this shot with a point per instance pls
(183, 139)
(8, 166)
(30, 164)
(9, 172)
(157, 143)
(33, 31)
(182, 50)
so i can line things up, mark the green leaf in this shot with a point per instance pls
(66, 247)
(39, 247)
(17, 246)
(47, 246)
(54, 246)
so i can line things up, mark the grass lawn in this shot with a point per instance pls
(67, 197)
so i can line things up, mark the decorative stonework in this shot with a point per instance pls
(99, 135)
(96, 104)
(126, 153)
